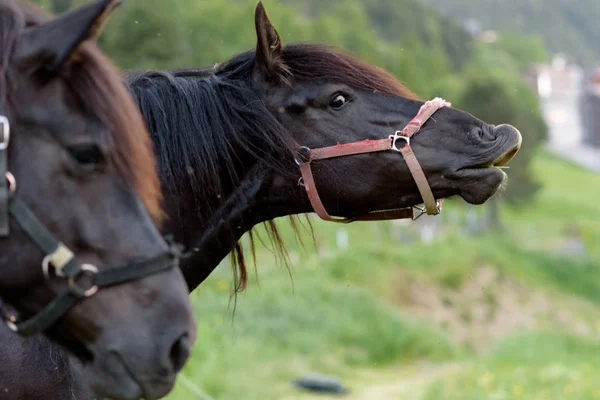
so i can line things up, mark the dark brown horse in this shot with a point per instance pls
(77, 196)
(232, 131)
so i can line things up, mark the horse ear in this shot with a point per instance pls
(53, 44)
(269, 48)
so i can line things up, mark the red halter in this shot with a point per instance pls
(432, 207)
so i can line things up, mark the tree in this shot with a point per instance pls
(569, 27)
(60, 6)
(499, 99)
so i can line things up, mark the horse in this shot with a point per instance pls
(239, 131)
(79, 196)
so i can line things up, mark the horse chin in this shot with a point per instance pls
(113, 379)
(478, 185)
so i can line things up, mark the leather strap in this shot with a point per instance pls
(311, 190)
(4, 223)
(32, 226)
(350, 149)
(4, 140)
(420, 180)
(73, 294)
(45, 318)
(136, 270)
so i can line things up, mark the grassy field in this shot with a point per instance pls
(480, 316)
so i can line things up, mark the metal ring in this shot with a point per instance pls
(307, 149)
(12, 182)
(86, 268)
(395, 137)
(12, 326)
(5, 131)
(46, 267)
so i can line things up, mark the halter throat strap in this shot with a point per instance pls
(399, 142)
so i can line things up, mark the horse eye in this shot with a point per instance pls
(87, 155)
(337, 101)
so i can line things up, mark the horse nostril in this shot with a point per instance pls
(180, 351)
(483, 133)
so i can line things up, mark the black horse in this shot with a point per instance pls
(78, 190)
(234, 130)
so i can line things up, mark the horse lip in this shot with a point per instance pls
(141, 382)
(505, 158)
(501, 160)
(131, 375)
(517, 140)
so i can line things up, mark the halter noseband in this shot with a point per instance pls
(59, 257)
(432, 206)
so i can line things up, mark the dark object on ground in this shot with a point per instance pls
(320, 384)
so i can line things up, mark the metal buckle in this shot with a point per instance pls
(58, 259)
(399, 136)
(4, 132)
(12, 182)
(422, 210)
(78, 290)
(11, 323)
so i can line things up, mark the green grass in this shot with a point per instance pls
(334, 311)
(544, 366)
(288, 329)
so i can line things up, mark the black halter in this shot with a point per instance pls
(59, 257)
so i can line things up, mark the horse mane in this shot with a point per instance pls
(311, 62)
(201, 118)
(97, 86)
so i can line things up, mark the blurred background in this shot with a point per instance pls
(500, 301)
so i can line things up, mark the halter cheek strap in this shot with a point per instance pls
(4, 189)
(393, 143)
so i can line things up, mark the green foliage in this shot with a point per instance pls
(139, 36)
(400, 22)
(59, 6)
(524, 50)
(497, 95)
(569, 27)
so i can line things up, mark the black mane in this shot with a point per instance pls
(208, 130)
(199, 124)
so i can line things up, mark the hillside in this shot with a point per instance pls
(393, 316)
(401, 22)
(565, 26)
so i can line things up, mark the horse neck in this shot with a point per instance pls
(262, 196)
(210, 218)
